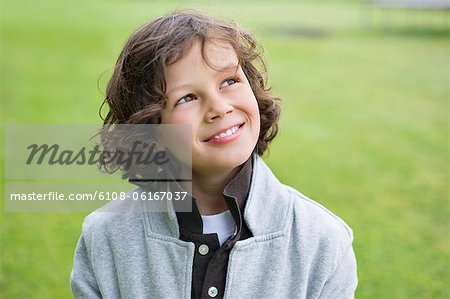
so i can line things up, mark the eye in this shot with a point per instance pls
(185, 99)
(229, 82)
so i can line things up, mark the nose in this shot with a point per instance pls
(217, 107)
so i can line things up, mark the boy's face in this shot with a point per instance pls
(217, 102)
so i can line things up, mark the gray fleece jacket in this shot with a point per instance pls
(299, 249)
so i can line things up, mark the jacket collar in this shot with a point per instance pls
(267, 204)
(265, 211)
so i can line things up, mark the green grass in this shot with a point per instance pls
(364, 128)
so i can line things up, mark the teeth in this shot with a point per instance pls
(227, 133)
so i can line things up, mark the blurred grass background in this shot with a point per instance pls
(364, 129)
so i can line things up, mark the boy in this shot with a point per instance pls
(248, 236)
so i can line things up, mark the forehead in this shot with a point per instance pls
(219, 55)
(215, 56)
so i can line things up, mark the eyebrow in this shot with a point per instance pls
(178, 88)
(223, 69)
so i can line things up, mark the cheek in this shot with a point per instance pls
(253, 110)
(251, 104)
(256, 119)
(176, 118)
(181, 138)
(185, 120)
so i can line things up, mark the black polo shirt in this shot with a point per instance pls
(210, 259)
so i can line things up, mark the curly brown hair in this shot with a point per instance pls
(136, 91)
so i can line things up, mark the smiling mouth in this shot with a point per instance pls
(226, 133)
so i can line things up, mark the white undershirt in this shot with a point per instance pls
(221, 224)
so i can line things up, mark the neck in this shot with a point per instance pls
(208, 190)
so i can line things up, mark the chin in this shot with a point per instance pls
(220, 161)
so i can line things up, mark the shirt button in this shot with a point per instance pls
(212, 292)
(203, 249)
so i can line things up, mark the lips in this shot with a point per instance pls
(224, 133)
